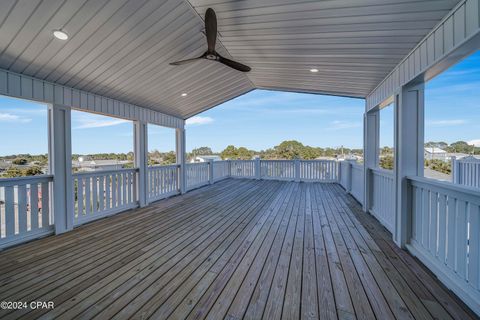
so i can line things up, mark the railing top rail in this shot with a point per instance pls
(316, 160)
(197, 163)
(160, 166)
(5, 182)
(382, 171)
(103, 172)
(357, 165)
(419, 181)
(468, 160)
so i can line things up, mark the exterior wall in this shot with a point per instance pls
(20, 86)
(446, 44)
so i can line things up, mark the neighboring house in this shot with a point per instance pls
(205, 158)
(96, 165)
(433, 153)
(457, 156)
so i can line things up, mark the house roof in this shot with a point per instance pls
(122, 48)
(435, 150)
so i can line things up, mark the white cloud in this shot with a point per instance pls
(475, 142)
(339, 125)
(94, 122)
(8, 117)
(446, 123)
(198, 120)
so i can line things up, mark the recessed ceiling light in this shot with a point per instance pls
(314, 70)
(61, 35)
(184, 94)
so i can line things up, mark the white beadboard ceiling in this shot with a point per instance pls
(122, 48)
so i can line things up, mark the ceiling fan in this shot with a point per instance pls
(211, 54)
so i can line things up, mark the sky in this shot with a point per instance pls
(260, 119)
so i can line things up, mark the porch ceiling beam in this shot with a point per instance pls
(25, 87)
(455, 37)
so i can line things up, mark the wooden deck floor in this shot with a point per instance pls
(237, 249)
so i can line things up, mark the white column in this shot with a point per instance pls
(371, 142)
(210, 171)
(258, 169)
(181, 151)
(409, 154)
(60, 159)
(455, 171)
(141, 162)
(297, 170)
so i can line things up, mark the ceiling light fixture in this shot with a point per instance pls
(313, 70)
(61, 35)
(184, 94)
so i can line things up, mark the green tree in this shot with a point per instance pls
(169, 158)
(230, 152)
(33, 171)
(12, 172)
(202, 151)
(289, 150)
(20, 161)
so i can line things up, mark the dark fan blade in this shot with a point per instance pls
(178, 63)
(233, 64)
(211, 29)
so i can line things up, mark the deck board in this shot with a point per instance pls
(238, 249)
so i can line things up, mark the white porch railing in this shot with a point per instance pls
(319, 170)
(221, 170)
(242, 168)
(466, 172)
(277, 169)
(25, 209)
(162, 182)
(383, 198)
(351, 178)
(445, 234)
(289, 170)
(102, 193)
(197, 174)
(358, 182)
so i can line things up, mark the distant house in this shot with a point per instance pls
(206, 158)
(95, 165)
(433, 153)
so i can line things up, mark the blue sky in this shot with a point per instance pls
(259, 120)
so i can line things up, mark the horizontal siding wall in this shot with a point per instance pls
(455, 30)
(21, 86)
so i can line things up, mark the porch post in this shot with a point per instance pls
(210, 171)
(371, 142)
(181, 150)
(60, 159)
(409, 155)
(141, 161)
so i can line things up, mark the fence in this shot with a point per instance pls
(221, 170)
(289, 170)
(466, 172)
(351, 179)
(162, 182)
(445, 234)
(101, 193)
(197, 174)
(25, 209)
(383, 198)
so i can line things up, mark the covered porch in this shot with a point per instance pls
(236, 238)
(240, 248)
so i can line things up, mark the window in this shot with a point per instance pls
(386, 144)
(101, 142)
(24, 132)
(161, 145)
